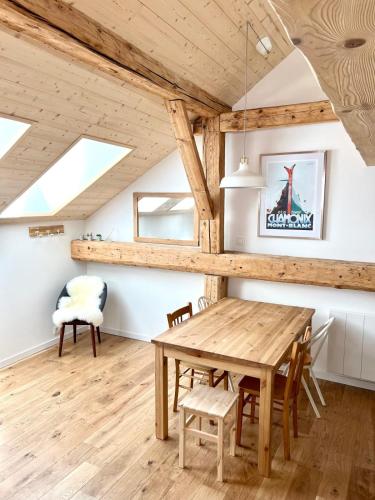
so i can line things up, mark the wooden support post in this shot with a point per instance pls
(215, 287)
(212, 231)
(190, 157)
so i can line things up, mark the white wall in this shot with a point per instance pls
(32, 274)
(349, 208)
(139, 298)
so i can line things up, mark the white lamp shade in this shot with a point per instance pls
(243, 178)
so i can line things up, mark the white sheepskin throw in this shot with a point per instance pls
(83, 302)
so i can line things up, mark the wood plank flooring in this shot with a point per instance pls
(83, 428)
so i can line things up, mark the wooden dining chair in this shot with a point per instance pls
(204, 302)
(316, 341)
(285, 393)
(192, 371)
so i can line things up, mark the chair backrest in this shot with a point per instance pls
(319, 337)
(204, 302)
(102, 297)
(176, 317)
(296, 364)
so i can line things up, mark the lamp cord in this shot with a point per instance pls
(246, 56)
(244, 114)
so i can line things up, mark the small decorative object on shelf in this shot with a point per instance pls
(91, 237)
(41, 231)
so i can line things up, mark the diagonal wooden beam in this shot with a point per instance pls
(274, 116)
(190, 157)
(57, 25)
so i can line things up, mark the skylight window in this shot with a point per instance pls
(150, 203)
(75, 171)
(185, 204)
(10, 131)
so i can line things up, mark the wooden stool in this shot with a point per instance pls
(211, 403)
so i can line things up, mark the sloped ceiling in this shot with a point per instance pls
(338, 38)
(201, 41)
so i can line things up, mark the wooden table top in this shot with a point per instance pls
(240, 331)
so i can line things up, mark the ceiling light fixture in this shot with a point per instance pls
(243, 177)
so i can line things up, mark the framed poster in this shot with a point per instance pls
(292, 204)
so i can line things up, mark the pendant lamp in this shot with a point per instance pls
(243, 177)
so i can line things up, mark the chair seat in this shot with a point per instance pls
(209, 401)
(252, 386)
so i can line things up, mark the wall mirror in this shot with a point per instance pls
(169, 218)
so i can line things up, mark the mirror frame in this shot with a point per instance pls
(164, 241)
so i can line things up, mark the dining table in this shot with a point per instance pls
(241, 336)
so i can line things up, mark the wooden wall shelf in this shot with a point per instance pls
(300, 270)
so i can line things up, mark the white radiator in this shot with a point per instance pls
(351, 345)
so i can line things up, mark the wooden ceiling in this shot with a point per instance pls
(202, 42)
(338, 38)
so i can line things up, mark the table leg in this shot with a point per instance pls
(265, 422)
(161, 393)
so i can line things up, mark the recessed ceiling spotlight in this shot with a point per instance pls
(264, 46)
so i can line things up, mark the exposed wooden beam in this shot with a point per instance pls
(338, 39)
(57, 25)
(274, 116)
(215, 287)
(212, 231)
(190, 157)
(304, 271)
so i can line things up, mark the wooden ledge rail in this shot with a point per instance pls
(300, 270)
(274, 116)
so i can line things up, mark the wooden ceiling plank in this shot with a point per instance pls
(121, 131)
(30, 57)
(240, 12)
(84, 100)
(45, 66)
(146, 28)
(128, 119)
(338, 39)
(266, 15)
(181, 16)
(81, 39)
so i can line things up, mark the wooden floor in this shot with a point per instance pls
(83, 428)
